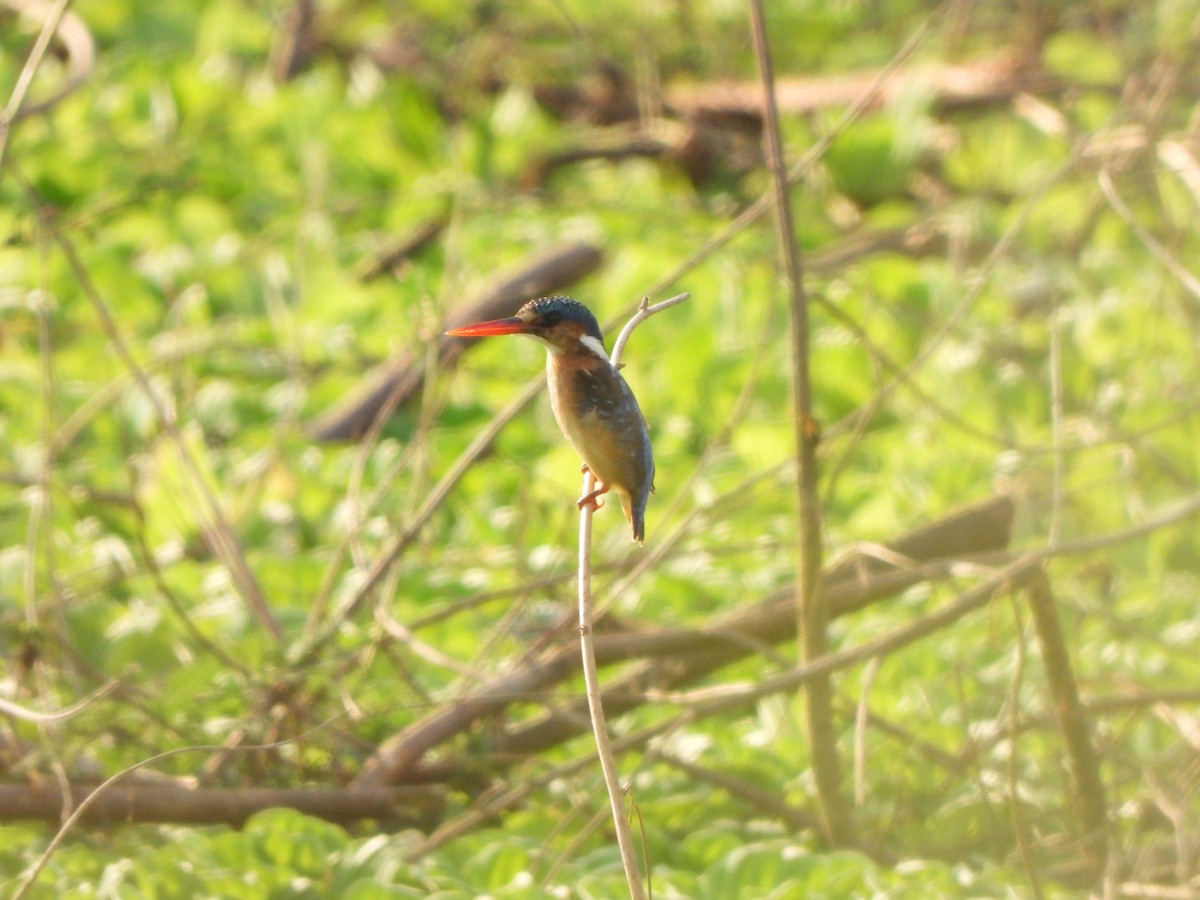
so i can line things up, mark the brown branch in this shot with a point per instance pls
(401, 379)
(393, 762)
(295, 42)
(710, 126)
(628, 146)
(763, 801)
(1020, 827)
(1082, 761)
(834, 808)
(703, 653)
(410, 245)
(604, 95)
(215, 525)
(504, 795)
(949, 87)
(1013, 577)
(680, 656)
(126, 803)
(587, 639)
(609, 99)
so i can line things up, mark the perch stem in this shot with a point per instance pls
(591, 675)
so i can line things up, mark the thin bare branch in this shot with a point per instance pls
(679, 656)
(405, 536)
(8, 708)
(587, 644)
(1087, 787)
(1189, 281)
(217, 531)
(836, 813)
(16, 99)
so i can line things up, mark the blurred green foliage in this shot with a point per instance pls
(224, 216)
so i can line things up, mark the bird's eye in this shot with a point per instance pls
(550, 319)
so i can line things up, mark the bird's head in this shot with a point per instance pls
(562, 324)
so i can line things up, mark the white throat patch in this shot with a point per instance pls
(596, 346)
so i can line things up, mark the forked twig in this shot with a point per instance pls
(587, 645)
(644, 311)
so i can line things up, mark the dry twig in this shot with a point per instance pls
(591, 676)
(836, 813)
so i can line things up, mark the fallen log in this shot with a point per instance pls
(675, 657)
(400, 380)
(124, 803)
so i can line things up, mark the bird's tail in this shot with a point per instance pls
(636, 513)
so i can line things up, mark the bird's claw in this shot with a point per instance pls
(592, 499)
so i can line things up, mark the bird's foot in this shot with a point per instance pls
(592, 498)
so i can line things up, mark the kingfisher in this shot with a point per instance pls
(595, 408)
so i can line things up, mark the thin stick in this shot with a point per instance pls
(1189, 281)
(8, 708)
(1083, 762)
(25, 79)
(31, 874)
(1020, 831)
(587, 644)
(215, 525)
(812, 613)
(308, 648)
(644, 312)
(861, 719)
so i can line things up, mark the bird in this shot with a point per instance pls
(594, 407)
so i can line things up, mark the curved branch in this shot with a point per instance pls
(587, 638)
(8, 708)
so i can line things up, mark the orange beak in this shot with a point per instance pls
(496, 326)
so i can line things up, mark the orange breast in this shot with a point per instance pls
(600, 417)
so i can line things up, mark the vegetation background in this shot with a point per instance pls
(207, 243)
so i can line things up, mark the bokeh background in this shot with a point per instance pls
(223, 223)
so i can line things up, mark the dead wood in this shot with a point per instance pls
(608, 97)
(604, 96)
(711, 129)
(950, 88)
(627, 145)
(676, 657)
(409, 246)
(400, 380)
(1087, 792)
(120, 803)
(295, 42)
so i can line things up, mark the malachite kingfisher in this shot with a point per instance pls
(595, 408)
